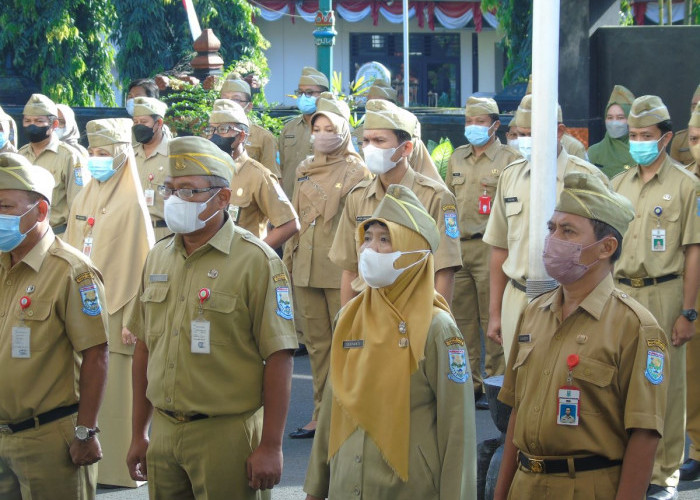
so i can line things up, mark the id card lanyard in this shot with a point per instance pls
(150, 193)
(658, 235)
(87, 242)
(200, 327)
(568, 409)
(21, 334)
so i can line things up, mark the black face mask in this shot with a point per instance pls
(35, 133)
(225, 144)
(142, 133)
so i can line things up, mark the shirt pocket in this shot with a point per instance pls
(594, 378)
(254, 152)
(668, 221)
(520, 366)
(515, 223)
(290, 141)
(40, 335)
(219, 309)
(489, 183)
(155, 308)
(457, 180)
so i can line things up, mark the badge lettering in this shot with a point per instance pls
(353, 344)
(454, 341)
(84, 276)
(362, 218)
(525, 338)
(81, 217)
(510, 199)
(305, 178)
(449, 208)
(656, 343)
(158, 278)
(279, 277)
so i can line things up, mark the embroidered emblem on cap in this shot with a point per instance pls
(179, 165)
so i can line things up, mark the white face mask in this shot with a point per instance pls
(525, 147)
(513, 143)
(60, 132)
(378, 160)
(183, 216)
(377, 269)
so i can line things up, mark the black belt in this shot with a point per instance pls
(159, 223)
(518, 285)
(60, 229)
(562, 465)
(642, 282)
(42, 419)
(181, 417)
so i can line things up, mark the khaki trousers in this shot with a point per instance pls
(514, 303)
(692, 370)
(598, 484)
(35, 464)
(665, 302)
(316, 309)
(470, 306)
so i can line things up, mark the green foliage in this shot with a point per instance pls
(626, 16)
(354, 96)
(188, 109)
(440, 154)
(263, 118)
(515, 19)
(62, 46)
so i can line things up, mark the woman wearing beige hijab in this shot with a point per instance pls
(323, 182)
(68, 130)
(109, 222)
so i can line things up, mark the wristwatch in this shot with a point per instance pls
(83, 433)
(690, 314)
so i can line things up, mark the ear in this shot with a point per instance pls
(43, 207)
(607, 248)
(666, 140)
(223, 197)
(407, 148)
(561, 130)
(54, 124)
(496, 125)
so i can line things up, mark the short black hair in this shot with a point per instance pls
(148, 85)
(494, 117)
(216, 181)
(402, 136)
(601, 230)
(665, 126)
(372, 223)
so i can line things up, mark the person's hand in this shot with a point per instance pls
(493, 331)
(264, 467)
(128, 338)
(85, 452)
(136, 459)
(683, 331)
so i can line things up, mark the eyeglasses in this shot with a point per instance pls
(242, 103)
(221, 129)
(184, 193)
(307, 93)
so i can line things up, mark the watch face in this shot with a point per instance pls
(82, 432)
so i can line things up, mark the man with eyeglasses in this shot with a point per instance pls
(40, 119)
(215, 335)
(256, 195)
(261, 145)
(295, 138)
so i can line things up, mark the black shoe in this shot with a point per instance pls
(482, 403)
(690, 470)
(301, 351)
(302, 433)
(656, 492)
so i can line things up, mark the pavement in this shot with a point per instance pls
(296, 452)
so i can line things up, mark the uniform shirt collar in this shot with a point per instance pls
(35, 256)
(562, 160)
(376, 189)
(161, 149)
(220, 241)
(241, 161)
(593, 304)
(53, 143)
(661, 173)
(490, 151)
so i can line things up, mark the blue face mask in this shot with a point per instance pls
(478, 135)
(10, 234)
(100, 167)
(306, 105)
(644, 152)
(130, 106)
(3, 140)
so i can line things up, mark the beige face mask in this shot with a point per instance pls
(695, 151)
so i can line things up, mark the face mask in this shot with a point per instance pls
(130, 106)
(616, 129)
(306, 105)
(3, 140)
(10, 235)
(478, 135)
(100, 167)
(327, 143)
(35, 133)
(377, 269)
(60, 132)
(562, 260)
(645, 152)
(182, 216)
(378, 160)
(142, 133)
(225, 144)
(513, 143)
(525, 147)
(695, 151)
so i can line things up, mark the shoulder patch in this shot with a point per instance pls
(657, 344)
(458, 366)
(279, 277)
(451, 227)
(654, 367)
(84, 276)
(78, 175)
(284, 303)
(91, 300)
(454, 341)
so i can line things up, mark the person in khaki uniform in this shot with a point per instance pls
(40, 119)
(68, 132)
(397, 418)
(8, 133)
(260, 145)
(660, 263)
(387, 145)
(323, 182)
(680, 149)
(215, 341)
(53, 354)
(151, 153)
(256, 195)
(507, 229)
(110, 223)
(472, 176)
(588, 376)
(295, 138)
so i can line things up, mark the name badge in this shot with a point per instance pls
(353, 344)
(658, 240)
(568, 410)
(524, 338)
(362, 218)
(158, 278)
(87, 246)
(200, 337)
(20, 342)
(150, 195)
(510, 199)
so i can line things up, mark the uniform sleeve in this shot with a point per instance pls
(448, 175)
(507, 393)
(691, 216)
(86, 313)
(318, 471)
(75, 176)
(449, 252)
(292, 243)
(496, 233)
(135, 320)
(269, 154)
(343, 252)
(274, 202)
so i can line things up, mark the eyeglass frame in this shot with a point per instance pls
(181, 191)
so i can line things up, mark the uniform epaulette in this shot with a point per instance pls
(251, 238)
(462, 148)
(424, 180)
(65, 146)
(362, 184)
(515, 163)
(75, 259)
(581, 162)
(168, 236)
(645, 317)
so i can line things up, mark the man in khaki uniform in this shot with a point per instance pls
(46, 150)
(588, 348)
(8, 133)
(680, 149)
(389, 127)
(295, 138)
(472, 176)
(507, 229)
(216, 337)
(660, 263)
(256, 195)
(151, 153)
(260, 145)
(53, 354)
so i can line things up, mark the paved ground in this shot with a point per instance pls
(296, 452)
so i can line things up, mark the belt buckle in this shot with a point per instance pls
(5, 429)
(181, 417)
(637, 282)
(536, 465)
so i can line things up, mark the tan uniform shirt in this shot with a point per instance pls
(673, 193)
(8, 148)
(249, 311)
(256, 197)
(573, 146)
(361, 202)
(152, 173)
(64, 164)
(66, 316)
(680, 149)
(294, 146)
(620, 347)
(470, 177)
(442, 441)
(510, 212)
(262, 147)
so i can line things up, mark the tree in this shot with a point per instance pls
(515, 19)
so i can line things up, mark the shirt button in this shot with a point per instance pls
(587, 371)
(546, 372)
(8, 282)
(533, 445)
(171, 365)
(168, 400)
(30, 313)
(356, 491)
(557, 337)
(537, 409)
(358, 458)
(174, 333)
(182, 298)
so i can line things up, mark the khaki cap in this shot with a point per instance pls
(523, 115)
(108, 131)
(40, 105)
(697, 92)
(16, 172)
(380, 114)
(646, 111)
(228, 111)
(198, 156)
(381, 89)
(236, 86)
(695, 117)
(622, 97)
(528, 90)
(147, 106)
(328, 103)
(401, 206)
(587, 196)
(477, 106)
(311, 76)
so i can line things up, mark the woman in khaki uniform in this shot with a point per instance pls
(323, 181)
(110, 223)
(397, 417)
